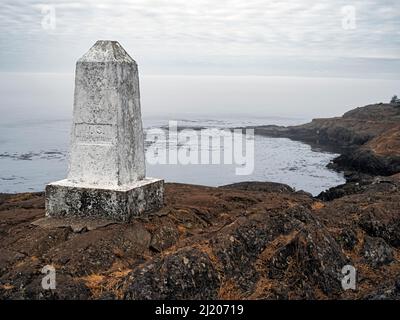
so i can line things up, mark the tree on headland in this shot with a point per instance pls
(395, 100)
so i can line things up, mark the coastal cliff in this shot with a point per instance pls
(368, 138)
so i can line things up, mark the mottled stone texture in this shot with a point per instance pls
(107, 136)
(106, 175)
(121, 204)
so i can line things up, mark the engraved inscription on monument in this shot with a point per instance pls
(93, 133)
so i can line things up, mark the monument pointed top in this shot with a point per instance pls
(106, 51)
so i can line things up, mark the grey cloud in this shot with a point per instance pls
(170, 34)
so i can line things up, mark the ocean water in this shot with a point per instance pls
(35, 152)
(36, 109)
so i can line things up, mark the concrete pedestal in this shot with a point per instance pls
(122, 203)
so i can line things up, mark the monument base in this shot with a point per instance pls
(121, 203)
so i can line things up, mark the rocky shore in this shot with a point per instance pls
(368, 138)
(250, 240)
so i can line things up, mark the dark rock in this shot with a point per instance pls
(376, 227)
(311, 258)
(66, 288)
(365, 160)
(239, 246)
(164, 237)
(260, 186)
(377, 252)
(358, 185)
(340, 191)
(389, 291)
(348, 239)
(186, 274)
(25, 282)
(237, 250)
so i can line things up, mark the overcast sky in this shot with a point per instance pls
(207, 36)
(264, 57)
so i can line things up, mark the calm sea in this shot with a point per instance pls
(33, 153)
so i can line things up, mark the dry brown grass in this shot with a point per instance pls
(387, 143)
(229, 291)
(317, 205)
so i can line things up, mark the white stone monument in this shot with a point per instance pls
(106, 177)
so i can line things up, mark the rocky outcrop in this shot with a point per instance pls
(357, 184)
(379, 156)
(368, 138)
(185, 274)
(377, 252)
(244, 241)
(260, 186)
(388, 291)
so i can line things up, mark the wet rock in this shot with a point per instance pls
(260, 186)
(340, 191)
(377, 252)
(358, 184)
(365, 160)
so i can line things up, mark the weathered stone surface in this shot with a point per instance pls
(377, 252)
(187, 274)
(107, 137)
(348, 239)
(389, 291)
(106, 176)
(260, 186)
(164, 237)
(377, 223)
(121, 203)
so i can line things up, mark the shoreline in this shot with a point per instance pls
(367, 139)
(268, 168)
(349, 136)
